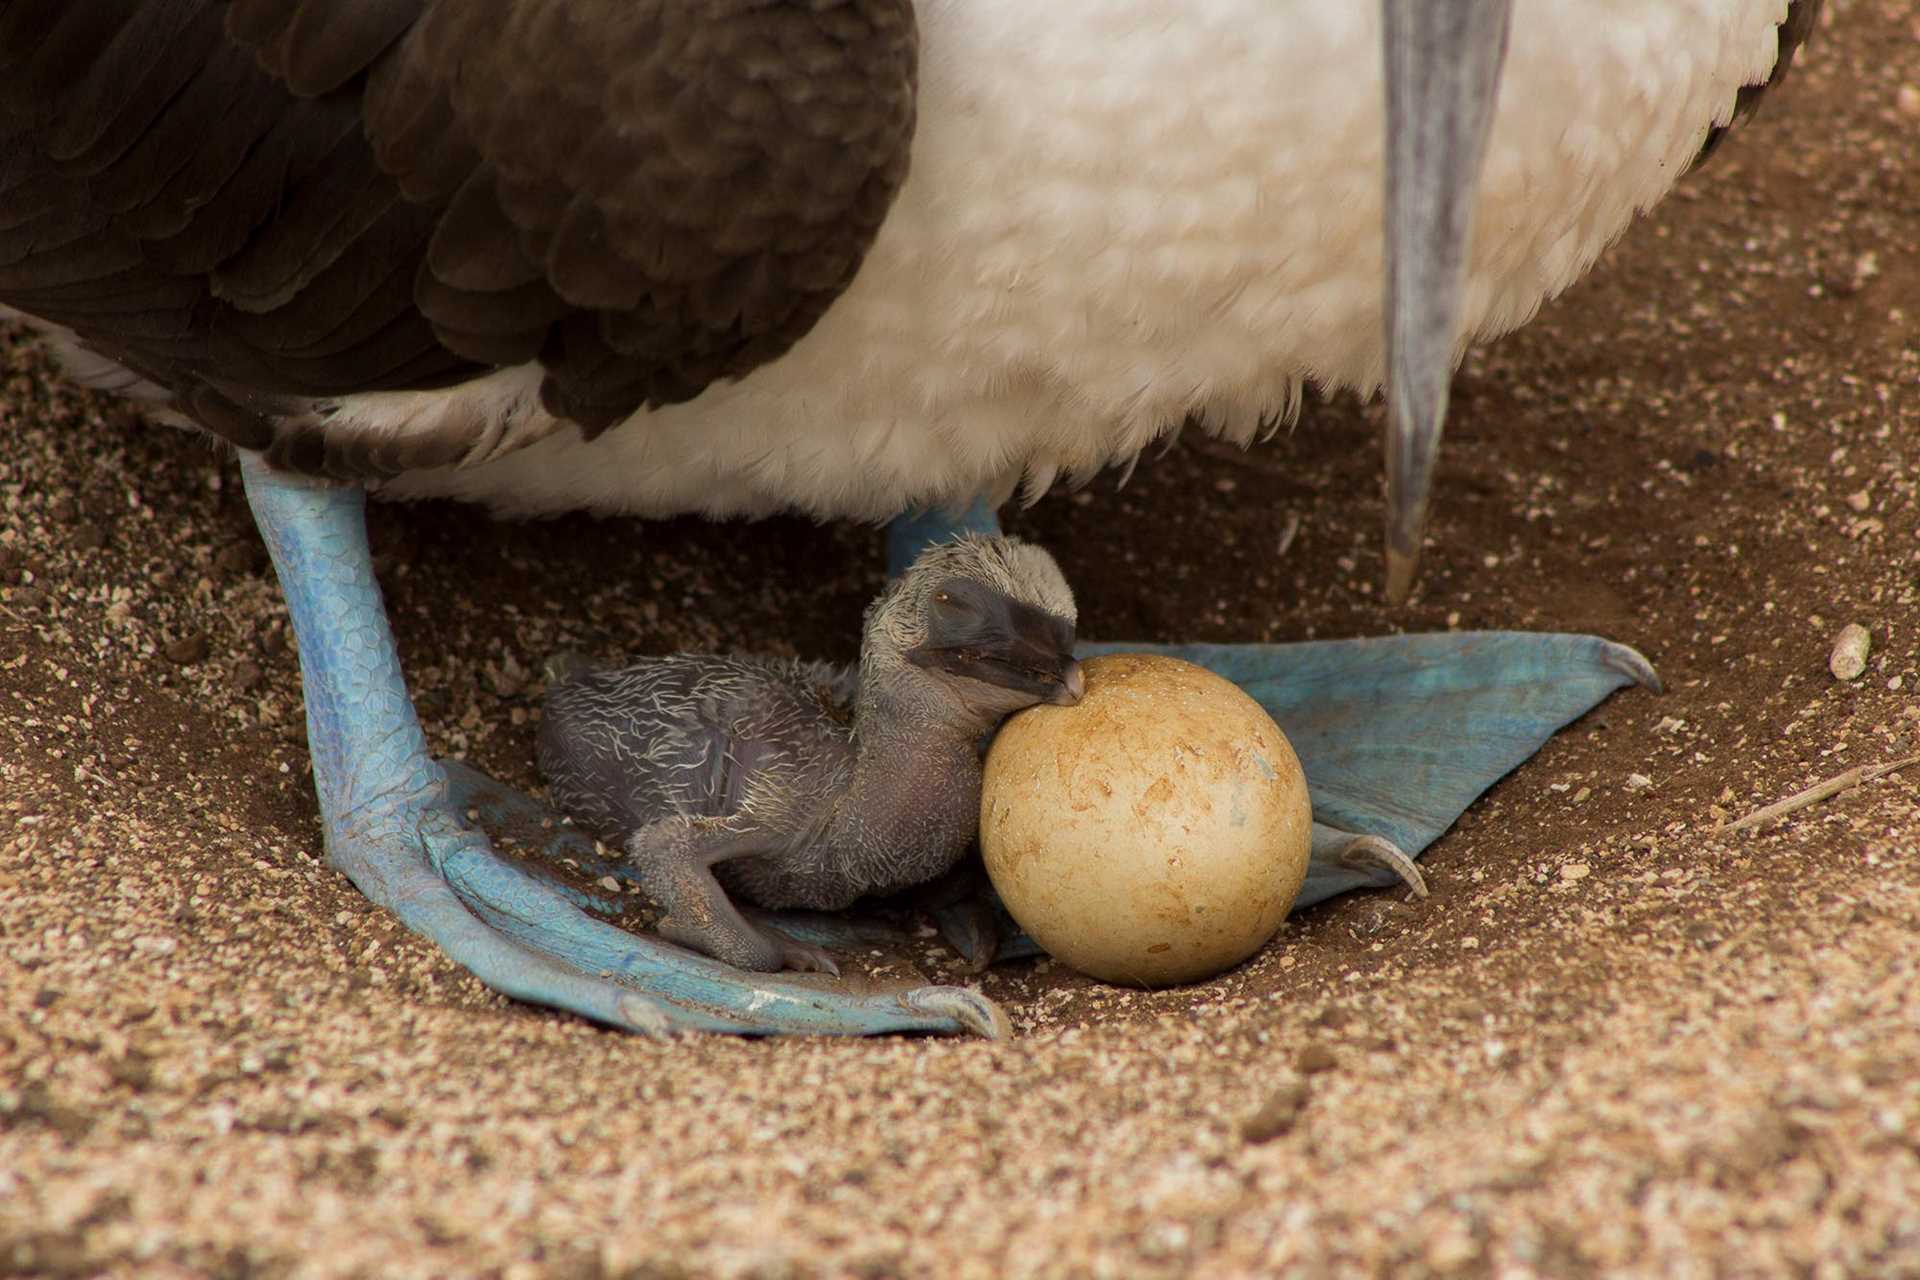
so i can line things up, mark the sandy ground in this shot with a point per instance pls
(1613, 1041)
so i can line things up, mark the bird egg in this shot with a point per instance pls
(1154, 833)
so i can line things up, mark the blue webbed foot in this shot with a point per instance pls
(1397, 734)
(394, 823)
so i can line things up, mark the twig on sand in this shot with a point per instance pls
(1817, 792)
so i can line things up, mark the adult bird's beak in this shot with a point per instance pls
(1442, 75)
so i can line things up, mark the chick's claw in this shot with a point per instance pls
(804, 957)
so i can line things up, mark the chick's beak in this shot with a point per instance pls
(1073, 686)
(983, 635)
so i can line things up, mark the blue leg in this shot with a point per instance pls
(1397, 735)
(393, 826)
(910, 534)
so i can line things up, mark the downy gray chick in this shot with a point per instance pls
(809, 784)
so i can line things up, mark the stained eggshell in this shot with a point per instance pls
(1155, 833)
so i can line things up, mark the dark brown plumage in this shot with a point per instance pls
(266, 203)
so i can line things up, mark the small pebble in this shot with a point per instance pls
(1452, 1249)
(187, 650)
(1849, 658)
(1575, 871)
(508, 679)
(1907, 100)
(89, 537)
(238, 558)
(1638, 782)
(1277, 1114)
(1314, 1059)
(133, 1070)
(246, 676)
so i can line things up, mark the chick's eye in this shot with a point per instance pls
(941, 597)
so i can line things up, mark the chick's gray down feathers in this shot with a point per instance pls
(262, 204)
(715, 736)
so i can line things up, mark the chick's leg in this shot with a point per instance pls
(673, 859)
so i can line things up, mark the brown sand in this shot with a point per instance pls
(1613, 1041)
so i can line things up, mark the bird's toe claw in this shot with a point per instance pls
(1633, 664)
(968, 1009)
(804, 957)
(1369, 853)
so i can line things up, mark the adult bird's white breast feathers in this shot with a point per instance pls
(1120, 218)
(1002, 248)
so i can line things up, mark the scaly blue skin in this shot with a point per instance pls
(1397, 736)
(395, 827)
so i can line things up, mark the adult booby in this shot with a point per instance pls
(849, 257)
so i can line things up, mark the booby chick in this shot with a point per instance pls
(809, 784)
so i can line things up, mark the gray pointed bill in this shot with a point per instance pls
(1443, 61)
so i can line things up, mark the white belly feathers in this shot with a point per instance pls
(1122, 214)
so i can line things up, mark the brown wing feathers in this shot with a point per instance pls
(265, 204)
(169, 201)
(693, 183)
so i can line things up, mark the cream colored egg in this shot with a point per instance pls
(1155, 833)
